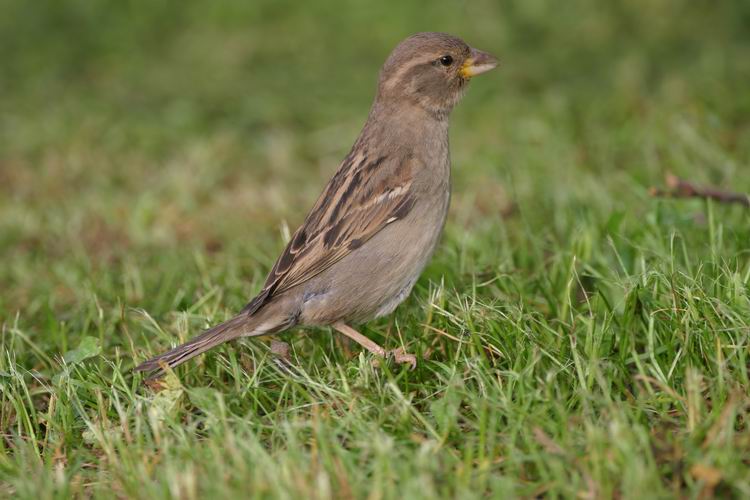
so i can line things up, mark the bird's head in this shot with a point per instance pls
(431, 70)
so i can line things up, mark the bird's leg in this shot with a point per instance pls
(281, 356)
(345, 344)
(280, 349)
(360, 339)
(398, 354)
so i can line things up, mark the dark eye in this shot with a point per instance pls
(446, 60)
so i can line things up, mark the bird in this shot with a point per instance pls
(361, 248)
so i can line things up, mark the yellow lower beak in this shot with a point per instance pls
(479, 62)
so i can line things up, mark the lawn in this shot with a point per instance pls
(578, 337)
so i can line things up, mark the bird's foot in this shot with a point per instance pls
(280, 349)
(281, 356)
(399, 355)
(402, 357)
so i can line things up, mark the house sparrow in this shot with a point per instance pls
(364, 244)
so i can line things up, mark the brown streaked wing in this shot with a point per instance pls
(364, 196)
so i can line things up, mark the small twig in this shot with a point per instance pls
(680, 188)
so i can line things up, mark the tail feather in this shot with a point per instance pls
(212, 337)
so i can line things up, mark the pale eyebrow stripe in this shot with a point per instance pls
(391, 81)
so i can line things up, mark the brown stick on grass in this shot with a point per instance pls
(680, 188)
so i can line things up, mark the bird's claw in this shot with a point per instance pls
(400, 356)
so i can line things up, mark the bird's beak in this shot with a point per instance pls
(478, 62)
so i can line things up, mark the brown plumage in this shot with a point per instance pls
(372, 230)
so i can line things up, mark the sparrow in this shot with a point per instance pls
(376, 224)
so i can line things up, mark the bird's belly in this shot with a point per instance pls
(372, 280)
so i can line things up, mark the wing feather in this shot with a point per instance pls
(363, 197)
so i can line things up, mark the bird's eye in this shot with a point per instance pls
(446, 60)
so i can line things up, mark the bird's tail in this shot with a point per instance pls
(235, 327)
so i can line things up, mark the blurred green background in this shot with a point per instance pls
(130, 129)
(155, 155)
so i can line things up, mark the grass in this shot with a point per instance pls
(591, 342)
